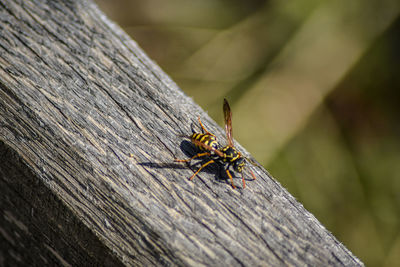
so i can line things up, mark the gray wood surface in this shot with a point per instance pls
(89, 130)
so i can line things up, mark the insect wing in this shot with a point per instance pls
(228, 122)
(216, 151)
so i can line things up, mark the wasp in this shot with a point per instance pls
(208, 145)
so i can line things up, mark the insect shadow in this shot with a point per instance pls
(216, 168)
(189, 150)
(185, 146)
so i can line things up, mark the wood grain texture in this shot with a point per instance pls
(89, 130)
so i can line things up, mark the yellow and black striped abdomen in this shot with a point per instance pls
(206, 139)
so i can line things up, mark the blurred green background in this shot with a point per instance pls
(315, 91)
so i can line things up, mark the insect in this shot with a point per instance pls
(208, 145)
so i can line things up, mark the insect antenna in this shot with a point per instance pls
(254, 164)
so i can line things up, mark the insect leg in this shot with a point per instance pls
(244, 183)
(252, 174)
(204, 129)
(230, 177)
(195, 156)
(202, 166)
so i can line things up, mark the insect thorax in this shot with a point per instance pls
(233, 157)
(231, 154)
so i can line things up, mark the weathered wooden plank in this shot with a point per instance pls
(89, 130)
